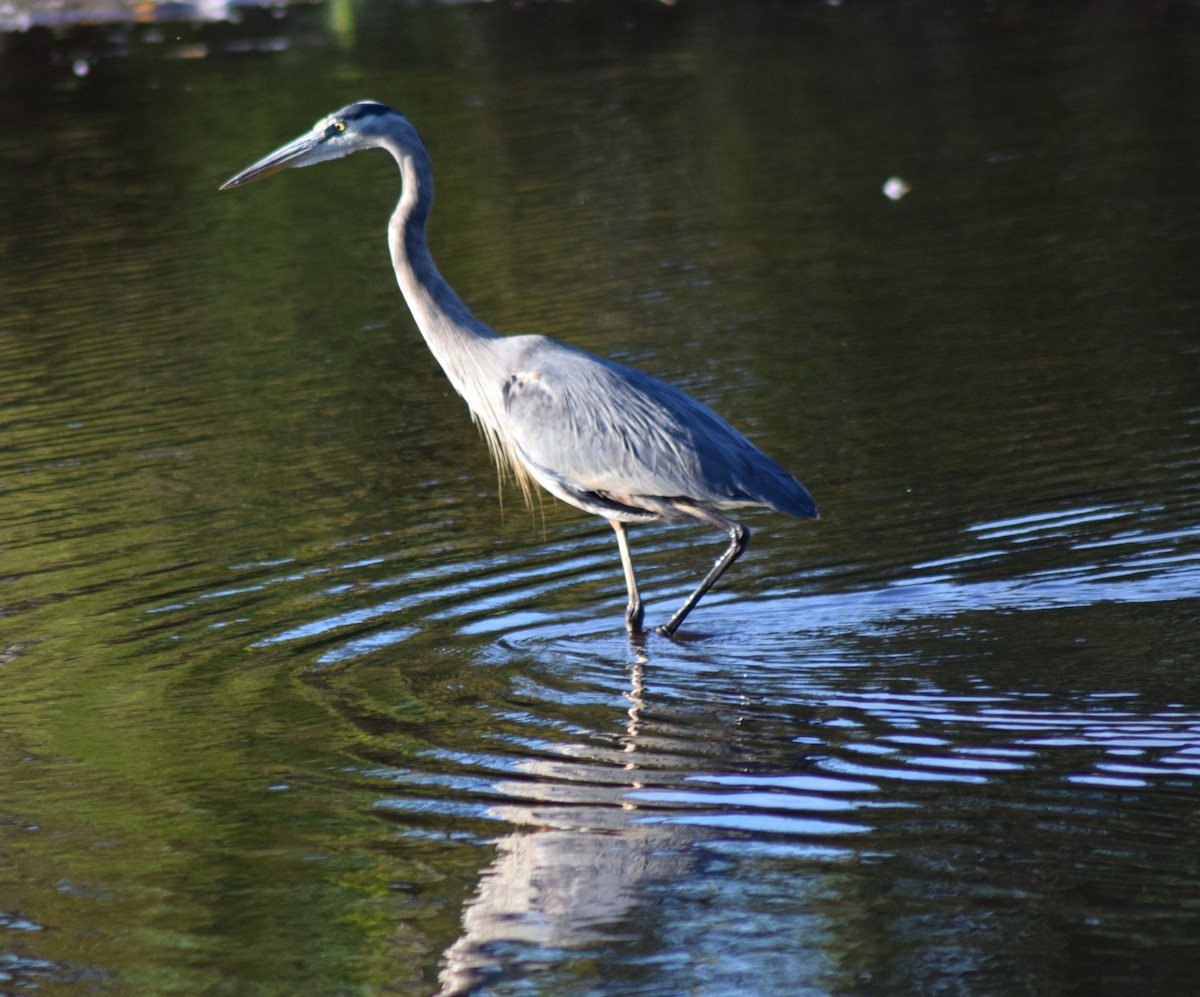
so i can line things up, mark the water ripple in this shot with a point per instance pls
(815, 708)
(379, 592)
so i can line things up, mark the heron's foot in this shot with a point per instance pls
(634, 616)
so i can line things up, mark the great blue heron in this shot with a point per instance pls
(602, 436)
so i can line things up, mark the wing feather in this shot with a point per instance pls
(600, 427)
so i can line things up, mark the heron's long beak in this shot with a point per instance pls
(300, 152)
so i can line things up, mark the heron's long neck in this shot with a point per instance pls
(454, 336)
(464, 346)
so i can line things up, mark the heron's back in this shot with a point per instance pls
(600, 427)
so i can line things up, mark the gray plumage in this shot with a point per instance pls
(604, 437)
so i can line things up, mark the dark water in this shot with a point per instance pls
(291, 704)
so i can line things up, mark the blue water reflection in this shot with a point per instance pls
(1148, 564)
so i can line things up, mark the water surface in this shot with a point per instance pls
(296, 698)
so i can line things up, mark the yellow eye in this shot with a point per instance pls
(340, 125)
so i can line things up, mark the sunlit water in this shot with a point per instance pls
(296, 699)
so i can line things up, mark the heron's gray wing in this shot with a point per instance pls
(600, 427)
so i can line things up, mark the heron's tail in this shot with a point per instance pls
(793, 499)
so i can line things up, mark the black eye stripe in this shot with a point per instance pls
(365, 109)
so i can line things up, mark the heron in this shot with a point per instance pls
(599, 435)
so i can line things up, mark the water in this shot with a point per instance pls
(291, 703)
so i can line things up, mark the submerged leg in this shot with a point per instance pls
(739, 537)
(633, 612)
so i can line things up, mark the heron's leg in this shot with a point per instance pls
(739, 537)
(633, 612)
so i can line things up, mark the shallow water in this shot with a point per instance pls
(295, 698)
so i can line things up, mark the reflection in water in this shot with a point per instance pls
(605, 825)
(583, 879)
(781, 739)
(556, 890)
(611, 842)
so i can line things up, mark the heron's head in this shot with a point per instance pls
(356, 126)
